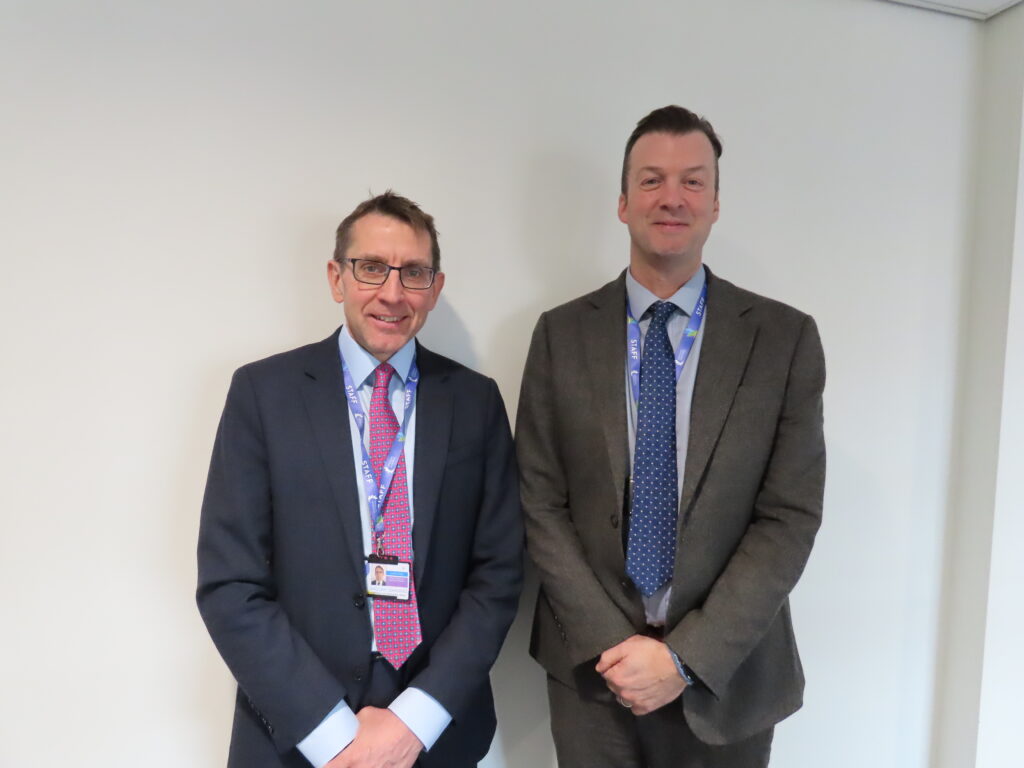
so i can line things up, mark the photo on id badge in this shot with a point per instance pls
(388, 580)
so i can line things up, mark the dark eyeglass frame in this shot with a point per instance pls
(400, 270)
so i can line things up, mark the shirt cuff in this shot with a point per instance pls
(334, 733)
(422, 714)
(681, 668)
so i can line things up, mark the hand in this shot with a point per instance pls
(382, 741)
(641, 672)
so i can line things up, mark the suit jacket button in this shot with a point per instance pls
(359, 601)
(615, 520)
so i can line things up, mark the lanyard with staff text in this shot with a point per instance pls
(682, 351)
(377, 490)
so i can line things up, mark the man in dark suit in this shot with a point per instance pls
(363, 449)
(672, 461)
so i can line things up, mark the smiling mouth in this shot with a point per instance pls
(389, 319)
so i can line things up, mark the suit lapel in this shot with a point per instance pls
(433, 430)
(604, 340)
(327, 408)
(725, 349)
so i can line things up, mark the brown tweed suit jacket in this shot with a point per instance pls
(750, 506)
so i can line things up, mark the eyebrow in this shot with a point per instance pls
(655, 169)
(382, 260)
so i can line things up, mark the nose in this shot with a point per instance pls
(673, 196)
(392, 290)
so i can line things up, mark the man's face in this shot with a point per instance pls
(670, 201)
(382, 318)
(378, 574)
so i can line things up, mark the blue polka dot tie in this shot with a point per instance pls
(651, 548)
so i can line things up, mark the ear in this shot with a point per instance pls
(715, 212)
(622, 208)
(335, 272)
(435, 289)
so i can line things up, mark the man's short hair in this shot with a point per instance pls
(393, 206)
(675, 120)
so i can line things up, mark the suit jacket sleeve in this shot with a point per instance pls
(715, 638)
(285, 682)
(462, 655)
(591, 622)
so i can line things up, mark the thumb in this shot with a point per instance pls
(610, 658)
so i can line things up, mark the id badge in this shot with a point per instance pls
(388, 578)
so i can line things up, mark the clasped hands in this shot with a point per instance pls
(641, 673)
(382, 741)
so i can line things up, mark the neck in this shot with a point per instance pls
(663, 276)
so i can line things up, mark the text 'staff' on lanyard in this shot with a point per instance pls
(377, 490)
(682, 351)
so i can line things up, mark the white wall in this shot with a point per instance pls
(172, 175)
(985, 350)
(1002, 672)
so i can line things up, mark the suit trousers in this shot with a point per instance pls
(600, 734)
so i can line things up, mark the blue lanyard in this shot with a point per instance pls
(682, 351)
(377, 490)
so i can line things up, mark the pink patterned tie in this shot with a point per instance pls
(396, 622)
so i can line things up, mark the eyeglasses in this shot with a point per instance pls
(413, 276)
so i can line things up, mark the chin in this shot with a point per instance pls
(670, 254)
(383, 352)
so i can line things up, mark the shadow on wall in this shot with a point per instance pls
(523, 737)
(570, 243)
(566, 255)
(212, 688)
(446, 334)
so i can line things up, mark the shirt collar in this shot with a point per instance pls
(685, 298)
(361, 363)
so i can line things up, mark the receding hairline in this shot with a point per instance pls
(628, 168)
(420, 232)
(393, 206)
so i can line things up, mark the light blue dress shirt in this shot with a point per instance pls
(640, 300)
(420, 711)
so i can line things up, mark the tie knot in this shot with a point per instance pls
(382, 375)
(662, 311)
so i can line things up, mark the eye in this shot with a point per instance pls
(694, 183)
(374, 268)
(649, 182)
(413, 272)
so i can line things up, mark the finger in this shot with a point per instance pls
(641, 706)
(626, 671)
(629, 701)
(618, 676)
(609, 659)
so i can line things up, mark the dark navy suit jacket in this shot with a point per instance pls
(281, 579)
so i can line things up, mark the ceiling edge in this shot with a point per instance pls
(955, 10)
